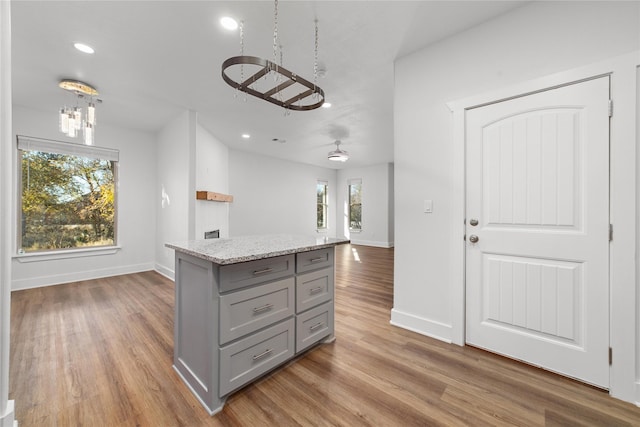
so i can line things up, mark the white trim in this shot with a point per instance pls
(420, 325)
(58, 279)
(7, 408)
(29, 143)
(165, 271)
(65, 254)
(623, 207)
(7, 419)
(371, 243)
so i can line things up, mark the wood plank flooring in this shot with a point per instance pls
(99, 353)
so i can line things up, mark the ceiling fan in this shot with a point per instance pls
(338, 155)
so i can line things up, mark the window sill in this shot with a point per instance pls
(65, 254)
(355, 231)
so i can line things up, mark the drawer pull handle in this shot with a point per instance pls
(263, 354)
(266, 270)
(316, 260)
(316, 326)
(262, 308)
(315, 290)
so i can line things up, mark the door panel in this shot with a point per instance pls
(537, 284)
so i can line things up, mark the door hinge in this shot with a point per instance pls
(610, 232)
(611, 108)
(610, 356)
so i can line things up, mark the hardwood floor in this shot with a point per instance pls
(99, 353)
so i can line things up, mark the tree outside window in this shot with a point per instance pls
(355, 204)
(67, 196)
(321, 216)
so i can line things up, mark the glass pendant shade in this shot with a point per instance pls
(91, 114)
(88, 134)
(74, 120)
(72, 127)
(77, 117)
(64, 121)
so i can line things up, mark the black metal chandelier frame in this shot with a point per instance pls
(271, 95)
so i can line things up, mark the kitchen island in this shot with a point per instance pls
(245, 305)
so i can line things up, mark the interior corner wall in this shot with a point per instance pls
(637, 254)
(174, 148)
(135, 209)
(535, 40)
(377, 196)
(212, 174)
(273, 196)
(391, 218)
(7, 407)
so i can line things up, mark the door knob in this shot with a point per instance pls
(473, 222)
(473, 238)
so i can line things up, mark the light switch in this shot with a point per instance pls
(428, 206)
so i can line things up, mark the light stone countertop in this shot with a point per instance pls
(248, 248)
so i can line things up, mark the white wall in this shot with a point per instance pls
(135, 209)
(276, 196)
(637, 238)
(172, 187)
(377, 201)
(538, 39)
(188, 158)
(7, 417)
(212, 174)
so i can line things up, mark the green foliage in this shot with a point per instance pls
(355, 206)
(321, 214)
(67, 201)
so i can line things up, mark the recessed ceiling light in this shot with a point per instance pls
(83, 47)
(228, 23)
(326, 105)
(246, 136)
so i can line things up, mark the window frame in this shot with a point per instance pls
(325, 205)
(28, 143)
(354, 182)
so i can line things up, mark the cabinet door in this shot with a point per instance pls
(254, 308)
(237, 276)
(313, 289)
(254, 355)
(314, 260)
(314, 325)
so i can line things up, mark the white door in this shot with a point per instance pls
(537, 277)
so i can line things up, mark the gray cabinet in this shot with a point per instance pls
(236, 322)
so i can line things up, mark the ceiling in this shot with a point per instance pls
(155, 59)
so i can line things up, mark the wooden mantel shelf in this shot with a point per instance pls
(214, 197)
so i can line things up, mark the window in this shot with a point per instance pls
(321, 216)
(67, 195)
(355, 204)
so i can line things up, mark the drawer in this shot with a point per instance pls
(250, 309)
(307, 261)
(254, 355)
(314, 288)
(314, 325)
(236, 276)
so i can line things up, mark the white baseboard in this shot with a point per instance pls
(637, 402)
(165, 271)
(57, 279)
(7, 419)
(420, 325)
(373, 243)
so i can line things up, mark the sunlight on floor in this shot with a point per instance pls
(355, 254)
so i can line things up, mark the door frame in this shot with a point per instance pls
(623, 272)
